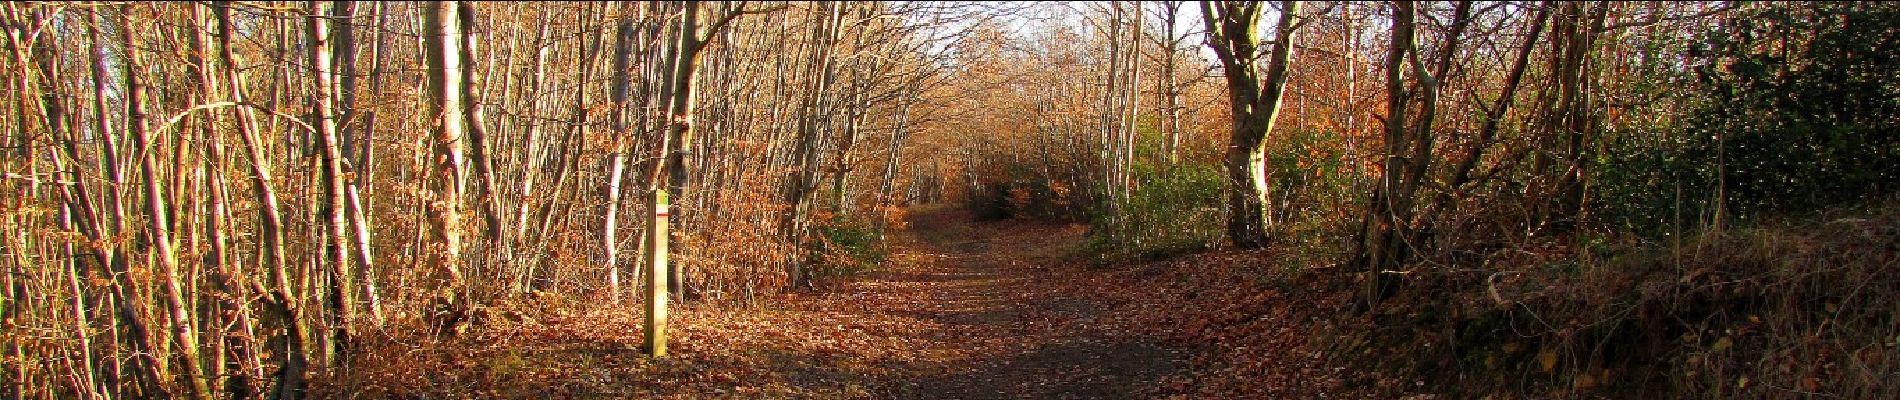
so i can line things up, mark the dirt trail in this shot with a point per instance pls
(1018, 335)
(960, 310)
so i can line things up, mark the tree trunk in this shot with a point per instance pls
(1256, 107)
(78, 214)
(1168, 84)
(682, 105)
(477, 128)
(899, 134)
(803, 179)
(323, 100)
(442, 36)
(1574, 120)
(1131, 107)
(127, 294)
(617, 160)
(157, 223)
(293, 362)
(1108, 156)
(1494, 116)
(1386, 241)
(244, 365)
(355, 170)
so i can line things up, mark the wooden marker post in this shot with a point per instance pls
(656, 278)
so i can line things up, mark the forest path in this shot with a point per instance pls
(961, 309)
(992, 291)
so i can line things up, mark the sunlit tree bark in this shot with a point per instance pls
(1256, 107)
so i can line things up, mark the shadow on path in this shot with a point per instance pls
(992, 288)
(961, 310)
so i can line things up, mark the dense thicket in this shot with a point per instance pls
(1779, 110)
(218, 198)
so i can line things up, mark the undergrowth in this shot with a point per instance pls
(847, 247)
(1173, 211)
(1780, 310)
(1787, 309)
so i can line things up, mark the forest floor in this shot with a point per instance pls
(960, 309)
(967, 309)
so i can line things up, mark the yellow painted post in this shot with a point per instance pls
(656, 278)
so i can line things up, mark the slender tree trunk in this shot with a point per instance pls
(682, 106)
(1169, 85)
(617, 160)
(355, 170)
(841, 167)
(442, 34)
(342, 310)
(282, 303)
(899, 134)
(805, 156)
(1385, 241)
(1575, 120)
(144, 355)
(1131, 106)
(477, 128)
(343, 54)
(158, 223)
(235, 315)
(1108, 154)
(1494, 116)
(78, 214)
(564, 158)
(531, 134)
(535, 155)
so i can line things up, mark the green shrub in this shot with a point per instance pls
(847, 247)
(1788, 112)
(1171, 211)
(1315, 202)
